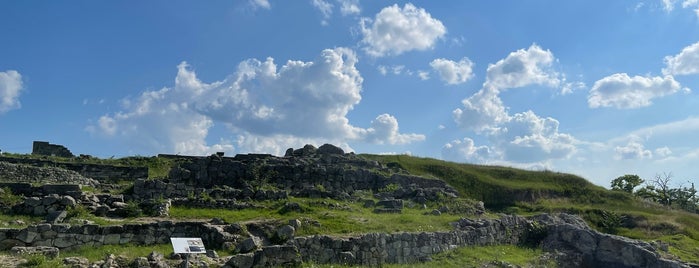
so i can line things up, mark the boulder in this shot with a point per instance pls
(330, 149)
(285, 233)
(241, 261)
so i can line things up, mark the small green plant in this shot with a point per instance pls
(8, 199)
(392, 187)
(206, 197)
(320, 187)
(611, 222)
(534, 234)
(38, 260)
(132, 210)
(78, 211)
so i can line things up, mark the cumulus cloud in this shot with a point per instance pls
(522, 68)
(624, 92)
(466, 151)
(485, 110)
(384, 129)
(260, 4)
(300, 101)
(684, 63)
(452, 72)
(633, 150)
(395, 30)
(10, 89)
(523, 137)
(526, 137)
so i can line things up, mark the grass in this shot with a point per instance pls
(524, 192)
(497, 256)
(501, 187)
(335, 217)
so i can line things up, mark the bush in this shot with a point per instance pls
(8, 199)
(534, 235)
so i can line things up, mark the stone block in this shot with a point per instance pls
(60, 189)
(56, 216)
(50, 252)
(241, 261)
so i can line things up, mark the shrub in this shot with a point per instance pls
(8, 199)
(534, 235)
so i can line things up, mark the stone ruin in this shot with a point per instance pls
(324, 172)
(48, 149)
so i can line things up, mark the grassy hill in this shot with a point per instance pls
(502, 189)
(516, 191)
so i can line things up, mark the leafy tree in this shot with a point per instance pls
(626, 183)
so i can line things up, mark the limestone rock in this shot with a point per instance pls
(330, 149)
(50, 252)
(285, 233)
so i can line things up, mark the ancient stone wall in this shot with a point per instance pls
(102, 173)
(304, 170)
(565, 234)
(65, 236)
(381, 248)
(45, 148)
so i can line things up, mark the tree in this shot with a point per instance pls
(661, 184)
(626, 183)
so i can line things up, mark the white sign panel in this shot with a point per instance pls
(187, 245)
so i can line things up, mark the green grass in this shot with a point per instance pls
(499, 256)
(346, 218)
(130, 251)
(501, 187)
(524, 192)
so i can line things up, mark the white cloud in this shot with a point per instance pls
(325, 8)
(260, 4)
(483, 111)
(466, 151)
(396, 30)
(424, 75)
(523, 137)
(529, 138)
(668, 5)
(452, 72)
(10, 89)
(382, 69)
(624, 92)
(384, 129)
(349, 7)
(301, 101)
(633, 150)
(522, 68)
(687, 62)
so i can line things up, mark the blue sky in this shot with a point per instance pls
(595, 88)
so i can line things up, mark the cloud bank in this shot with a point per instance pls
(264, 105)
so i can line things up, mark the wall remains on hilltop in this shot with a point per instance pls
(48, 149)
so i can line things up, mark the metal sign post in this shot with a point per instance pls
(186, 246)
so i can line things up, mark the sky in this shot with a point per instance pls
(594, 88)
